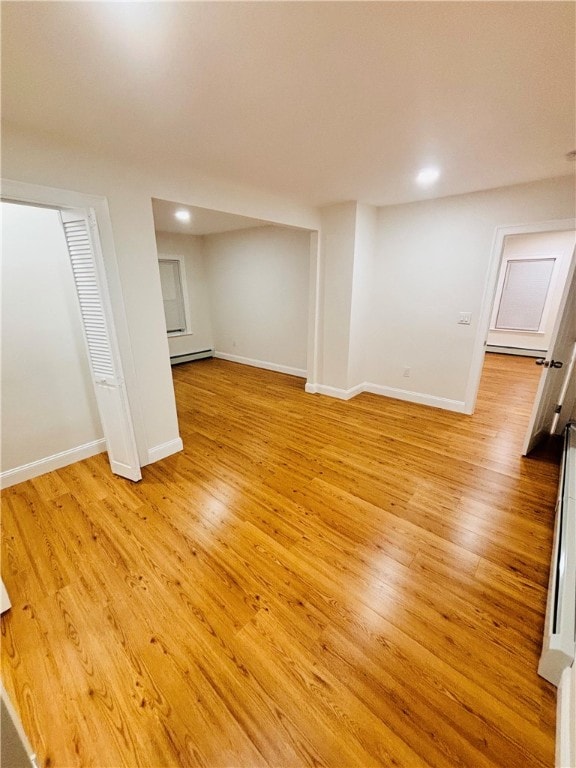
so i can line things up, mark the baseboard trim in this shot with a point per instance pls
(457, 406)
(50, 463)
(262, 364)
(162, 451)
(339, 394)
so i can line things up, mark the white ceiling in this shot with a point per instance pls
(203, 221)
(320, 101)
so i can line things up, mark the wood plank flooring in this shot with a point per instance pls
(311, 582)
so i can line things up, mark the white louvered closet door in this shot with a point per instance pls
(103, 354)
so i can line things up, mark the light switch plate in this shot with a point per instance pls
(465, 318)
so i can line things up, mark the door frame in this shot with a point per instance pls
(489, 296)
(532, 437)
(111, 288)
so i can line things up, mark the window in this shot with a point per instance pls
(171, 282)
(523, 294)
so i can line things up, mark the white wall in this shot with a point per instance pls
(39, 159)
(431, 263)
(348, 239)
(337, 240)
(190, 250)
(48, 403)
(364, 254)
(258, 280)
(542, 244)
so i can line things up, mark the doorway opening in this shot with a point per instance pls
(237, 288)
(64, 393)
(528, 321)
(48, 402)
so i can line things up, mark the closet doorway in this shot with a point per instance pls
(64, 396)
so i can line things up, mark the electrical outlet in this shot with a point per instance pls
(465, 318)
(406, 372)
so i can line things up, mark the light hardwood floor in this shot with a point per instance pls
(311, 582)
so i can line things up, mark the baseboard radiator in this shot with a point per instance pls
(521, 351)
(559, 645)
(186, 358)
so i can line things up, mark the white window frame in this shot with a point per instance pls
(184, 285)
(500, 288)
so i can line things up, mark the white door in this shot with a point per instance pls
(111, 396)
(555, 366)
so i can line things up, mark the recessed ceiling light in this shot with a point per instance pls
(428, 176)
(182, 215)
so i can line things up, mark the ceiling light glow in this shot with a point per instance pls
(182, 215)
(428, 176)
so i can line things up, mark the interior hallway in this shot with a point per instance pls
(311, 582)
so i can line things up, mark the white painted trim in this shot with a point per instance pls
(357, 390)
(49, 196)
(500, 234)
(184, 287)
(300, 372)
(397, 394)
(164, 450)
(339, 394)
(415, 397)
(5, 603)
(50, 463)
